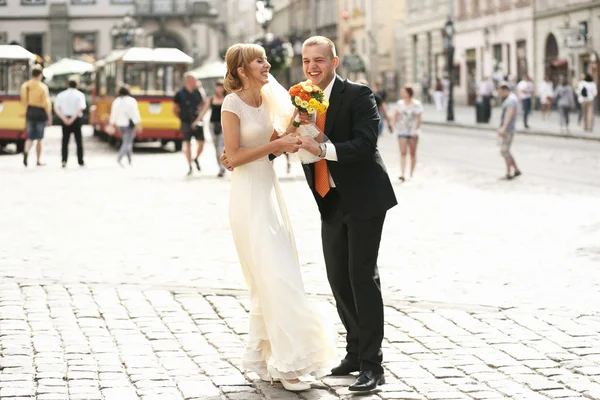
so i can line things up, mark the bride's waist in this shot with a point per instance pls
(261, 162)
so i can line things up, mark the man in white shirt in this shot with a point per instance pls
(525, 93)
(69, 106)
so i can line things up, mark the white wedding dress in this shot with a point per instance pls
(287, 337)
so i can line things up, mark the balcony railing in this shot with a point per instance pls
(150, 8)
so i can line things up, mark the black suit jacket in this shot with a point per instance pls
(359, 174)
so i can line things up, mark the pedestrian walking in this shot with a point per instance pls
(187, 105)
(525, 92)
(577, 98)
(69, 106)
(565, 101)
(380, 99)
(216, 131)
(587, 92)
(38, 114)
(125, 116)
(486, 90)
(407, 121)
(546, 93)
(507, 129)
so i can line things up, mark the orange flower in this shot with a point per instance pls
(304, 96)
(295, 90)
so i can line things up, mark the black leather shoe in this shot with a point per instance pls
(367, 381)
(345, 368)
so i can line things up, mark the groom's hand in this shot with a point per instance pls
(309, 144)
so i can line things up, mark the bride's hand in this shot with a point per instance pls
(288, 144)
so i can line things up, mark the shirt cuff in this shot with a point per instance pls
(331, 153)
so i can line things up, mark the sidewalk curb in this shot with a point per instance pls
(529, 132)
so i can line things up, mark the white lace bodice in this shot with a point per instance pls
(256, 124)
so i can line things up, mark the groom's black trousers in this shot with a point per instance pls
(351, 247)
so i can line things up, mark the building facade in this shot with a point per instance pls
(493, 38)
(567, 34)
(86, 28)
(423, 42)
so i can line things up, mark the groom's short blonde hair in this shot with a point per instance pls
(317, 40)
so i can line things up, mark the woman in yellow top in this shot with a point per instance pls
(35, 97)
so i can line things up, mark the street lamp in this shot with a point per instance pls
(127, 31)
(264, 14)
(449, 31)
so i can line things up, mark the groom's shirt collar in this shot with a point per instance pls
(329, 88)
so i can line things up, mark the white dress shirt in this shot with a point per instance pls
(123, 109)
(69, 101)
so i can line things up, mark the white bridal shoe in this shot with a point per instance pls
(295, 387)
(292, 387)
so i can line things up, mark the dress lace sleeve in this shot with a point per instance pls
(231, 103)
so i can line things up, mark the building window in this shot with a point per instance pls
(83, 2)
(33, 2)
(475, 8)
(35, 44)
(121, 1)
(84, 43)
(2, 2)
(3, 37)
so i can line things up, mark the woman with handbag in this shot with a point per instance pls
(125, 116)
(216, 131)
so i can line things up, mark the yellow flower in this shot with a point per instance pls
(303, 104)
(313, 102)
(310, 110)
(325, 103)
(297, 101)
(306, 87)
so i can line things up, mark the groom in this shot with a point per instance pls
(353, 192)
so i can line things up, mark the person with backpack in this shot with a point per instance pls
(187, 106)
(587, 92)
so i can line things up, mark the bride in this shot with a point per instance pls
(287, 338)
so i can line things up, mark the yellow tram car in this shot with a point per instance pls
(15, 67)
(153, 76)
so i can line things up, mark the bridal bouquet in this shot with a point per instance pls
(309, 98)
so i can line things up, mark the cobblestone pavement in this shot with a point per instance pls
(124, 284)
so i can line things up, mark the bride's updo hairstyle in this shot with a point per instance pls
(240, 55)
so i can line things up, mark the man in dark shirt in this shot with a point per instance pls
(187, 105)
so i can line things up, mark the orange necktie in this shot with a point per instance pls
(321, 171)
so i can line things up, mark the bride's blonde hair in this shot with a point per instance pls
(240, 55)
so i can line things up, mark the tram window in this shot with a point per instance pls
(136, 78)
(178, 76)
(156, 81)
(111, 79)
(12, 76)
